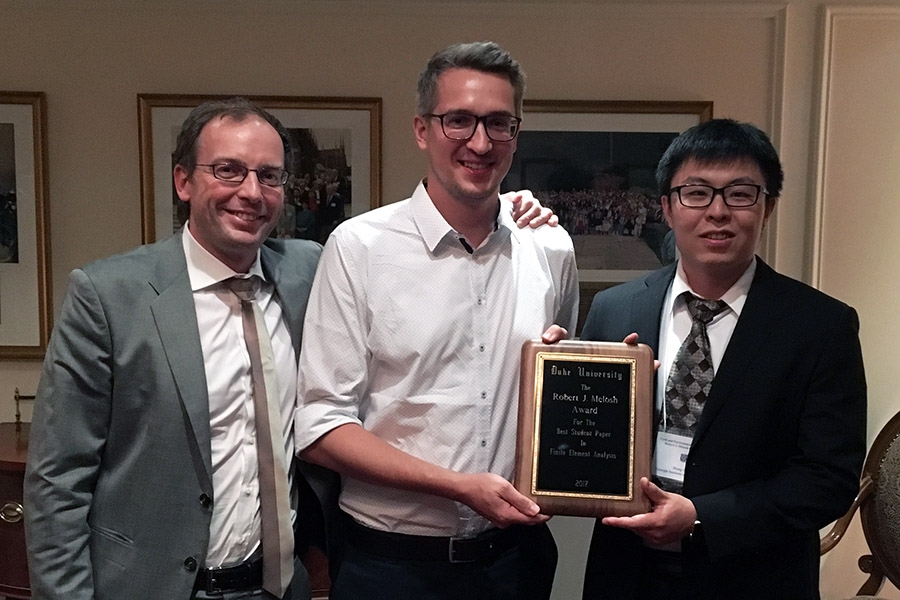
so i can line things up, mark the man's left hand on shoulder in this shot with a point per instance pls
(671, 517)
(528, 212)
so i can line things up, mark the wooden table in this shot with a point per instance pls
(13, 563)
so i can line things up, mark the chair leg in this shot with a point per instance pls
(873, 584)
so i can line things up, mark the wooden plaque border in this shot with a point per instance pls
(531, 386)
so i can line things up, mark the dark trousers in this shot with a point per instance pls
(523, 572)
(620, 567)
(663, 577)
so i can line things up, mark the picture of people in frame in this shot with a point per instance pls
(603, 187)
(9, 228)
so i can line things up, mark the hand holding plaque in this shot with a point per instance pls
(585, 416)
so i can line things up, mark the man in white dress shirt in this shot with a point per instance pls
(409, 376)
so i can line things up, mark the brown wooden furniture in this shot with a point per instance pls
(317, 565)
(13, 563)
(878, 503)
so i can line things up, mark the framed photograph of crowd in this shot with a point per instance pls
(25, 312)
(594, 163)
(335, 172)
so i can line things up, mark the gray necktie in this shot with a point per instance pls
(691, 376)
(274, 496)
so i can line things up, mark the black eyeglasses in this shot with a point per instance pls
(462, 126)
(234, 173)
(736, 195)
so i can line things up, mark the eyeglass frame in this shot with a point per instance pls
(760, 190)
(212, 166)
(478, 120)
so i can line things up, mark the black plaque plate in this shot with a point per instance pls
(585, 411)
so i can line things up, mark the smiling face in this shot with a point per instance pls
(467, 171)
(717, 243)
(232, 220)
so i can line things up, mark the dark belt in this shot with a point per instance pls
(245, 576)
(398, 546)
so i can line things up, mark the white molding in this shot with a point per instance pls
(536, 9)
(468, 9)
(831, 15)
(776, 120)
(820, 143)
(547, 8)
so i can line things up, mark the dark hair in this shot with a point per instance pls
(487, 57)
(237, 109)
(721, 141)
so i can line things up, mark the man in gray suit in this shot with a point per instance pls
(142, 474)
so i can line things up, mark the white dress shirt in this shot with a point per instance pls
(235, 526)
(675, 325)
(419, 341)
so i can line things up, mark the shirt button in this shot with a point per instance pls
(480, 301)
(481, 348)
(483, 395)
(483, 443)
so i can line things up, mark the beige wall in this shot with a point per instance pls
(93, 60)
(857, 185)
(755, 61)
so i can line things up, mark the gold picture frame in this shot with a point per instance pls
(25, 292)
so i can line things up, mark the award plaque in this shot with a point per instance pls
(585, 411)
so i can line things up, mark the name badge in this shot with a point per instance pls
(671, 455)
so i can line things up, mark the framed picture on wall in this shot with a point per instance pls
(25, 312)
(594, 163)
(335, 172)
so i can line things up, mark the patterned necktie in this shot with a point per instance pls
(274, 495)
(691, 376)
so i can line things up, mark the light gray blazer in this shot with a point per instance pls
(118, 486)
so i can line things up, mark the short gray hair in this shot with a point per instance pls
(237, 109)
(487, 57)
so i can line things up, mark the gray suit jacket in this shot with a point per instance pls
(118, 487)
(777, 451)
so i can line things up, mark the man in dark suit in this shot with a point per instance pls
(142, 478)
(750, 462)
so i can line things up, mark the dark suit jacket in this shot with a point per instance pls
(778, 449)
(119, 477)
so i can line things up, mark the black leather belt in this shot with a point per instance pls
(398, 546)
(245, 576)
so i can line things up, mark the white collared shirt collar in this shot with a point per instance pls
(734, 297)
(204, 269)
(435, 229)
